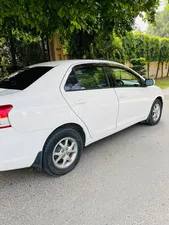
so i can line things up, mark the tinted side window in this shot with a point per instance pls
(91, 78)
(86, 78)
(123, 78)
(72, 83)
(23, 78)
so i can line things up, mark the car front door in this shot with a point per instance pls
(87, 90)
(134, 100)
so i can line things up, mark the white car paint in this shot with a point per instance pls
(7, 91)
(44, 106)
(134, 105)
(102, 121)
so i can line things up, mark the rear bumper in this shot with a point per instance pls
(20, 149)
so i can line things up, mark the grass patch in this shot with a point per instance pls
(162, 82)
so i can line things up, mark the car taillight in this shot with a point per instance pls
(4, 120)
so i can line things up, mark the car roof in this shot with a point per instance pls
(72, 62)
(68, 63)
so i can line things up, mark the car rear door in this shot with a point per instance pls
(87, 90)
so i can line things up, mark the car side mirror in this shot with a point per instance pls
(149, 82)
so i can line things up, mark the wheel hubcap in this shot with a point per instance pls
(156, 112)
(65, 152)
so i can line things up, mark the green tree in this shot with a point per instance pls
(5, 58)
(90, 17)
(164, 54)
(154, 48)
(161, 25)
(154, 51)
(129, 46)
(26, 53)
(34, 53)
(147, 54)
(109, 48)
(139, 65)
(141, 45)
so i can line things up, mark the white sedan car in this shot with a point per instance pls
(50, 111)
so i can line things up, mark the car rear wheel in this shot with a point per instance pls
(155, 114)
(62, 151)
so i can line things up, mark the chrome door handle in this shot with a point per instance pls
(80, 102)
(122, 96)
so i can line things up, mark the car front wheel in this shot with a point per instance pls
(155, 113)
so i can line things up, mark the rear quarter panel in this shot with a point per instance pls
(41, 106)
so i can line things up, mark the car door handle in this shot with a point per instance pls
(122, 96)
(80, 102)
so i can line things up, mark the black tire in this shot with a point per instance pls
(48, 161)
(151, 121)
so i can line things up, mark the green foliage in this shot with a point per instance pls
(136, 45)
(139, 65)
(164, 50)
(90, 28)
(108, 15)
(164, 54)
(147, 45)
(117, 49)
(79, 44)
(138, 61)
(33, 54)
(26, 37)
(46, 16)
(140, 43)
(32, 18)
(26, 54)
(109, 48)
(161, 25)
(129, 46)
(5, 58)
(154, 49)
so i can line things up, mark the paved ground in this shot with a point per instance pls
(121, 180)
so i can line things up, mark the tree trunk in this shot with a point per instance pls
(43, 49)
(162, 65)
(157, 70)
(13, 52)
(47, 40)
(148, 69)
(168, 70)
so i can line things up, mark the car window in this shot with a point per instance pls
(72, 83)
(23, 78)
(91, 78)
(123, 78)
(86, 78)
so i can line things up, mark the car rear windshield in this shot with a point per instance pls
(23, 78)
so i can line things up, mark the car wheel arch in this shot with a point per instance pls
(161, 100)
(38, 163)
(74, 126)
